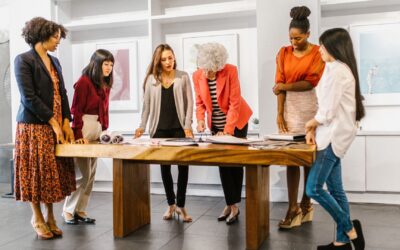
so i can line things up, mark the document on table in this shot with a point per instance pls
(179, 142)
(142, 141)
(228, 139)
(273, 144)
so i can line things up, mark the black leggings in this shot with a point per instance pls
(166, 171)
(232, 177)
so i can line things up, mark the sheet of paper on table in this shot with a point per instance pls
(228, 139)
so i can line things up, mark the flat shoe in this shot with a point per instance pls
(72, 221)
(359, 242)
(84, 219)
(332, 246)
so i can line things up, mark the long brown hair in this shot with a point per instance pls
(155, 67)
(337, 42)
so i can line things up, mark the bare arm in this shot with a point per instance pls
(280, 120)
(296, 86)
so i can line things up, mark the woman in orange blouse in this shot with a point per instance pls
(299, 68)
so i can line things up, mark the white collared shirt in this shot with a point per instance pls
(336, 108)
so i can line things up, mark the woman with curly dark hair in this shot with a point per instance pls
(43, 120)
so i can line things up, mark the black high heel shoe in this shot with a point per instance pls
(232, 219)
(84, 219)
(359, 242)
(332, 246)
(223, 216)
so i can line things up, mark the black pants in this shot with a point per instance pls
(166, 171)
(232, 177)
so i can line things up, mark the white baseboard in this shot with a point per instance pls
(276, 194)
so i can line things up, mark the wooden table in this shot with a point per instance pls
(131, 177)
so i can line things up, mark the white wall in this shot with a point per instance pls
(378, 118)
(17, 44)
(4, 15)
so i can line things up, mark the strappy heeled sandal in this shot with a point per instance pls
(42, 231)
(293, 219)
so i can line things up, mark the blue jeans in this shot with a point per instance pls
(327, 169)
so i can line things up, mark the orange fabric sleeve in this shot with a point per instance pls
(200, 106)
(234, 101)
(280, 75)
(316, 69)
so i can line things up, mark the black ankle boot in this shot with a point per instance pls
(359, 242)
(331, 246)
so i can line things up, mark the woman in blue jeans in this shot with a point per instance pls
(333, 129)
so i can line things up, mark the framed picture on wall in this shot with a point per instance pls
(190, 45)
(125, 89)
(378, 62)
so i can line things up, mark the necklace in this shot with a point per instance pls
(167, 80)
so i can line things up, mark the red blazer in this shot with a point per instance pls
(230, 101)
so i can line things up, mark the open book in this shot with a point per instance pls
(286, 137)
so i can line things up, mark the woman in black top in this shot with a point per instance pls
(168, 104)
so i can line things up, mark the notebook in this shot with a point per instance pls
(286, 137)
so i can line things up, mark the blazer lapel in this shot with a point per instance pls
(58, 69)
(36, 55)
(205, 91)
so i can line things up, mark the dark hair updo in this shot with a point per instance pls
(299, 17)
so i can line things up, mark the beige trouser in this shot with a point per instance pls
(78, 200)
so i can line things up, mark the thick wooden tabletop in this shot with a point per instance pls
(211, 154)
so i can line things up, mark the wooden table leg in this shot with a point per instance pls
(131, 196)
(257, 205)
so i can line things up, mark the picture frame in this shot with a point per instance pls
(378, 62)
(124, 92)
(189, 48)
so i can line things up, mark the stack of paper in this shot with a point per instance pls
(285, 137)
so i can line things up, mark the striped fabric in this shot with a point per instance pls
(218, 118)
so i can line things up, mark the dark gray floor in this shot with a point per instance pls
(381, 228)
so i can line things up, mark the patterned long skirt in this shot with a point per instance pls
(40, 176)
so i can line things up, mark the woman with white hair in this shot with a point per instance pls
(217, 89)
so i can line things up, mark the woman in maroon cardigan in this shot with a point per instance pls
(90, 111)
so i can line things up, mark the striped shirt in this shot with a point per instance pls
(218, 118)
